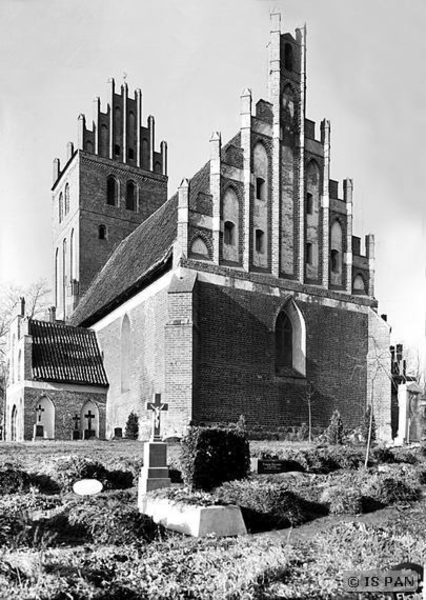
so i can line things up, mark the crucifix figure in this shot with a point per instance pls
(76, 419)
(39, 410)
(89, 418)
(157, 406)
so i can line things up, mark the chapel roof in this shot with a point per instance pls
(130, 265)
(65, 354)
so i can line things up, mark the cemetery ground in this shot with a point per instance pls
(306, 527)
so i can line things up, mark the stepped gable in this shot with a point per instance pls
(65, 354)
(128, 268)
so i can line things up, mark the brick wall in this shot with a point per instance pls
(236, 360)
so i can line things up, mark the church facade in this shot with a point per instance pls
(242, 292)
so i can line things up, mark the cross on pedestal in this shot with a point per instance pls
(76, 419)
(39, 410)
(89, 418)
(157, 406)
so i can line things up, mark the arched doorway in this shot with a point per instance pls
(89, 419)
(13, 420)
(44, 418)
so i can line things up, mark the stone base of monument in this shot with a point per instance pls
(38, 432)
(197, 521)
(155, 472)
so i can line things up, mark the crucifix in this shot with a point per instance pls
(39, 410)
(157, 406)
(89, 418)
(76, 419)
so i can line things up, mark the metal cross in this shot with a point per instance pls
(39, 410)
(89, 417)
(157, 406)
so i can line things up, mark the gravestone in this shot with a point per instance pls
(270, 466)
(38, 430)
(89, 433)
(118, 432)
(154, 473)
(76, 435)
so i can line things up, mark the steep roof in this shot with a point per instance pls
(138, 255)
(65, 354)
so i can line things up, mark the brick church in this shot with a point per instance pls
(231, 297)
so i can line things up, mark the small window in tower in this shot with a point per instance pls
(131, 196)
(157, 167)
(260, 241)
(67, 199)
(112, 191)
(131, 154)
(260, 188)
(309, 253)
(309, 204)
(102, 232)
(288, 57)
(61, 207)
(229, 233)
(335, 261)
(117, 150)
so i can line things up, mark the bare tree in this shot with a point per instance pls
(308, 398)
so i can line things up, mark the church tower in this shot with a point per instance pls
(112, 182)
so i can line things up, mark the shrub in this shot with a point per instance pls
(211, 456)
(131, 431)
(66, 471)
(382, 455)
(13, 481)
(342, 500)
(334, 432)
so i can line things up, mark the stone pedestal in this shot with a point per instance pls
(76, 434)
(155, 472)
(89, 434)
(38, 432)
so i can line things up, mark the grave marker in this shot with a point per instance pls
(155, 473)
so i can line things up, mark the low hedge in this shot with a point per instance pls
(211, 456)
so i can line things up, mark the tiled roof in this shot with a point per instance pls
(66, 354)
(138, 255)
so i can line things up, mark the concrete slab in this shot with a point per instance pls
(197, 521)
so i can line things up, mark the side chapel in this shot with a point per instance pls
(228, 298)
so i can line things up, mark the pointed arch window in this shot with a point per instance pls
(112, 191)
(290, 341)
(260, 241)
(199, 249)
(125, 354)
(67, 198)
(61, 207)
(130, 196)
(102, 232)
(283, 342)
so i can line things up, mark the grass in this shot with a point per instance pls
(103, 564)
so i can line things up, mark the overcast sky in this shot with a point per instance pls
(192, 59)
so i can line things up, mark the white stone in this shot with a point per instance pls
(87, 487)
(197, 521)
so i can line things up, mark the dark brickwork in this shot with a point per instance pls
(236, 360)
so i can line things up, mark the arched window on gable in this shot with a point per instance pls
(130, 196)
(336, 254)
(125, 354)
(359, 285)
(230, 250)
(102, 232)
(199, 250)
(112, 191)
(61, 207)
(67, 198)
(288, 57)
(290, 341)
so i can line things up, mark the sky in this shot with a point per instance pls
(192, 59)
